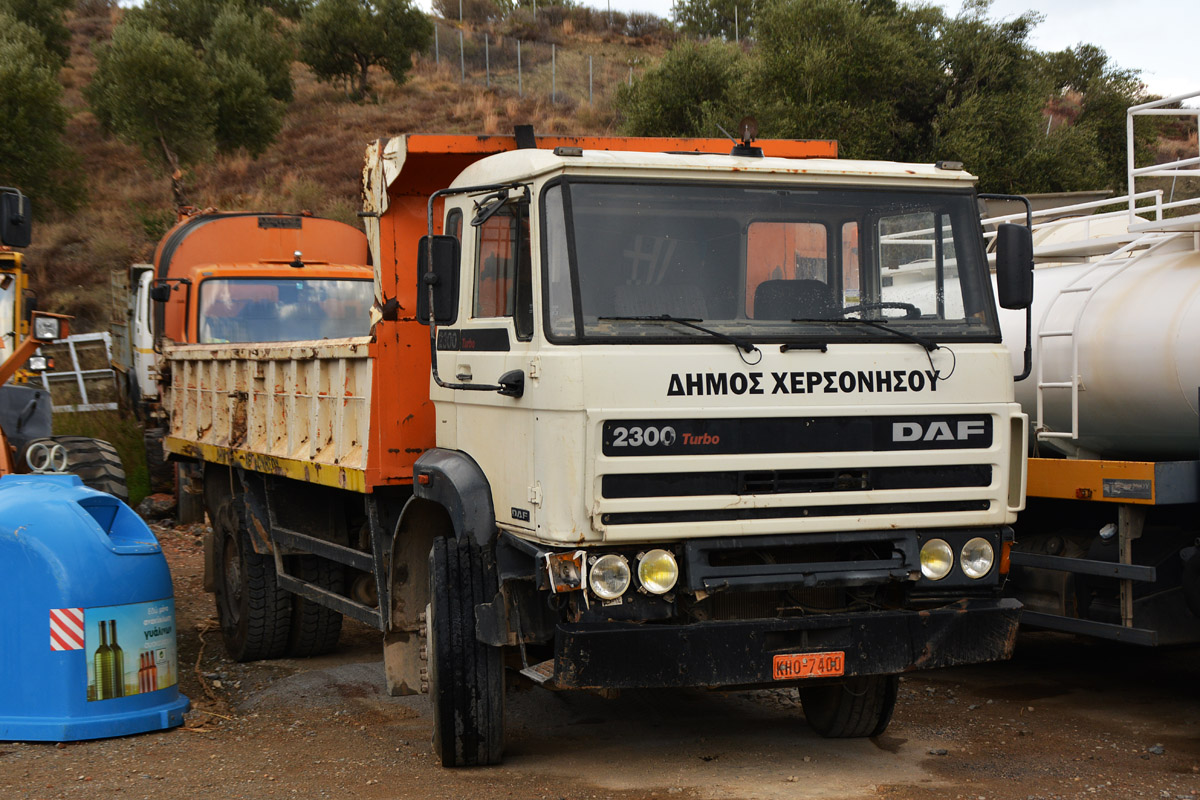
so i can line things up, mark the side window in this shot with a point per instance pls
(787, 271)
(503, 269)
(454, 223)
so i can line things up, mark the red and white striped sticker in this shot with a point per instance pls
(66, 629)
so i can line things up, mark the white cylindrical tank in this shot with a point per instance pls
(1138, 345)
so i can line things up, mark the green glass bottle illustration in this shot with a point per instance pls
(118, 659)
(102, 664)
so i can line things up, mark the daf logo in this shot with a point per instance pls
(938, 431)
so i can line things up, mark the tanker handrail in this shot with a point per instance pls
(1059, 210)
(1175, 169)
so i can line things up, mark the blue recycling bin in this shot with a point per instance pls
(87, 637)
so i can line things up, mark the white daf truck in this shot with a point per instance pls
(633, 413)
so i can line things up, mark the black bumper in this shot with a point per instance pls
(616, 655)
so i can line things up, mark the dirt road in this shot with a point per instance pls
(1066, 719)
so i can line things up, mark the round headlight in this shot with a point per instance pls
(657, 571)
(977, 557)
(937, 559)
(609, 576)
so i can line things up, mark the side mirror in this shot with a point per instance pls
(16, 222)
(160, 293)
(437, 266)
(1014, 266)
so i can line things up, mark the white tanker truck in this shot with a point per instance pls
(1108, 544)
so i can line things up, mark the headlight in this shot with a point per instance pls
(657, 572)
(937, 559)
(609, 576)
(46, 328)
(977, 557)
(38, 364)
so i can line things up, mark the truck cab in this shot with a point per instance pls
(735, 421)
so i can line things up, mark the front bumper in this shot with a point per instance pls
(617, 655)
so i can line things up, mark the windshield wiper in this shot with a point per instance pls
(691, 322)
(928, 344)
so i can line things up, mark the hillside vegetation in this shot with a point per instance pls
(812, 68)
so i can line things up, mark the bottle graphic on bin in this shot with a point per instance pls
(109, 664)
(102, 662)
(118, 656)
(148, 673)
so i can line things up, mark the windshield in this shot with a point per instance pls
(283, 309)
(771, 263)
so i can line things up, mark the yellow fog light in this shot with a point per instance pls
(937, 559)
(609, 576)
(977, 557)
(657, 571)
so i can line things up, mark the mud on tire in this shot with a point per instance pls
(852, 708)
(255, 614)
(466, 677)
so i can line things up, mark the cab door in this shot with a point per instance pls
(495, 338)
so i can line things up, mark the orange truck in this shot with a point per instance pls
(631, 413)
(225, 277)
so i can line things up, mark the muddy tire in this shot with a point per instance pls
(255, 614)
(315, 628)
(95, 461)
(466, 677)
(853, 708)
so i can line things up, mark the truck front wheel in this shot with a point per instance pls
(255, 614)
(852, 708)
(466, 677)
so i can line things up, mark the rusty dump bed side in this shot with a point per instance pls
(355, 413)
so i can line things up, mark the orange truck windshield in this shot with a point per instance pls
(283, 309)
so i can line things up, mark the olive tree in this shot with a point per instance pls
(343, 39)
(32, 153)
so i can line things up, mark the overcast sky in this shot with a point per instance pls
(1158, 37)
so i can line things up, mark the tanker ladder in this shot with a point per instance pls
(1101, 272)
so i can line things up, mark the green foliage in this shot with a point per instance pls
(45, 17)
(477, 12)
(189, 20)
(689, 92)
(33, 156)
(247, 115)
(258, 41)
(342, 39)
(152, 90)
(717, 18)
(908, 84)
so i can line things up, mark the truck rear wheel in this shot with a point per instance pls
(315, 628)
(853, 708)
(95, 461)
(161, 471)
(255, 614)
(466, 677)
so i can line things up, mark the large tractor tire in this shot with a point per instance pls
(853, 708)
(466, 677)
(315, 628)
(255, 614)
(95, 461)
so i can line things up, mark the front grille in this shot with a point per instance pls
(796, 481)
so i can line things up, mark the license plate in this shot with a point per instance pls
(809, 665)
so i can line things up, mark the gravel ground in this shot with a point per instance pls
(1067, 718)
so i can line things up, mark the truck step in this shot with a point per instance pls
(542, 673)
